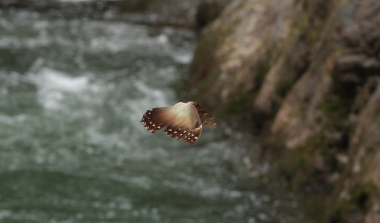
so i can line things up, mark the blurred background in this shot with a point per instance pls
(75, 80)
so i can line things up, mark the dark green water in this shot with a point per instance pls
(72, 149)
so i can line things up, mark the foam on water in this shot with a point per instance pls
(53, 85)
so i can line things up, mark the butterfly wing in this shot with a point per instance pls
(180, 121)
(206, 118)
(156, 119)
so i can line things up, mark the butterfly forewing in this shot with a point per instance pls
(180, 121)
(206, 118)
(156, 118)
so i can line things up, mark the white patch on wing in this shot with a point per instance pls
(183, 114)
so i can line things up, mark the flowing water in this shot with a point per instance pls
(72, 148)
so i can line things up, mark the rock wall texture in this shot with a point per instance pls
(306, 75)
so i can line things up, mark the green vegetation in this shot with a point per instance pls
(360, 201)
(262, 69)
(362, 196)
(335, 112)
(301, 166)
(339, 51)
(284, 87)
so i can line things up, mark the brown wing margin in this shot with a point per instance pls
(190, 136)
(206, 118)
(155, 119)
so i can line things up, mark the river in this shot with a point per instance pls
(72, 149)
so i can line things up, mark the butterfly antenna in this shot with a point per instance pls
(203, 98)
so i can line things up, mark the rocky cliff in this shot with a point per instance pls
(306, 75)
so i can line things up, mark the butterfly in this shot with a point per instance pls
(182, 121)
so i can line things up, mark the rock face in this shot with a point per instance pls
(208, 11)
(306, 74)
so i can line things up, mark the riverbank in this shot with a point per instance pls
(305, 76)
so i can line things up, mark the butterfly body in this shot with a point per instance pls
(182, 121)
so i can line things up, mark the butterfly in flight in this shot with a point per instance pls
(182, 121)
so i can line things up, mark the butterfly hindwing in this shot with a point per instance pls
(206, 118)
(190, 136)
